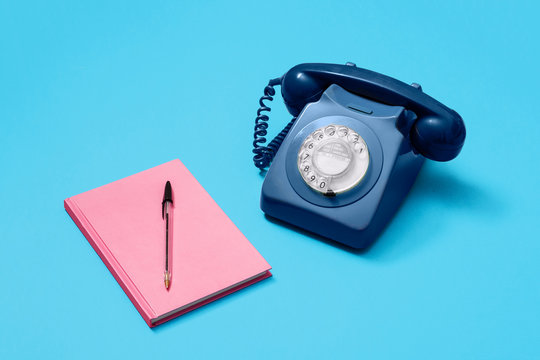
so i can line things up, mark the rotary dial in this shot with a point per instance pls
(333, 159)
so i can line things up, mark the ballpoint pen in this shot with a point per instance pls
(166, 203)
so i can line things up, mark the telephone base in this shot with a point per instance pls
(358, 216)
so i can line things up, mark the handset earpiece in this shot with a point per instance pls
(438, 133)
(438, 138)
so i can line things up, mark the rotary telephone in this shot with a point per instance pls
(352, 151)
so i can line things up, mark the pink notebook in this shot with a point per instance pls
(208, 256)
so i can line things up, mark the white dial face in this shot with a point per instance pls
(333, 159)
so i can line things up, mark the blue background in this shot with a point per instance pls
(92, 92)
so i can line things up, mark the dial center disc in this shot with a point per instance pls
(332, 158)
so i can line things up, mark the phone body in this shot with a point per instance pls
(352, 152)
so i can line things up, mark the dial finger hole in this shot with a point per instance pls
(343, 131)
(360, 147)
(353, 137)
(305, 156)
(318, 135)
(330, 130)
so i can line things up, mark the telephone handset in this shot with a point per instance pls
(352, 151)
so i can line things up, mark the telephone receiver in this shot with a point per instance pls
(354, 147)
(438, 132)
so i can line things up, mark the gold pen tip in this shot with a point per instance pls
(167, 279)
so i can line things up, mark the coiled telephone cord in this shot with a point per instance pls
(265, 154)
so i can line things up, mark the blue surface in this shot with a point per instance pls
(93, 92)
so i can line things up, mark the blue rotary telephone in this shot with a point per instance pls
(352, 151)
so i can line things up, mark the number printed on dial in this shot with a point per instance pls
(333, 158)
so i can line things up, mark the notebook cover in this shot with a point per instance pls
(208, 257)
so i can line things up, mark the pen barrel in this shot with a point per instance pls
(166, 214)
(167, 240)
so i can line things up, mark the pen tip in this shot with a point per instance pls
(167, 279)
